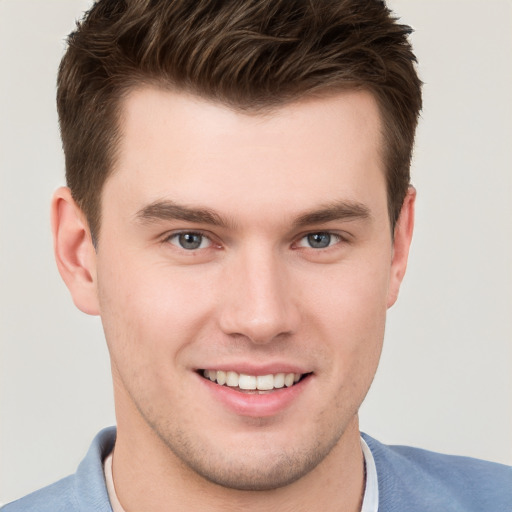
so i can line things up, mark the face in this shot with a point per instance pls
(243, 271)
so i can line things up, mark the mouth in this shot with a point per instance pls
(253, 384)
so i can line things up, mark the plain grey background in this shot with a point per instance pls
(445, 379)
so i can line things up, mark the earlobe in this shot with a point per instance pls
(74, 251)
(401, 244)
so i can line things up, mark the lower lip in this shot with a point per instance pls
(255, 405)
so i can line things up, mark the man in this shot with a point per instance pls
(239, 213)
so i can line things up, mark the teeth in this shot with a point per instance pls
(288, 379)
(279, 380)
(247, 381)
(252, 382)
(232, 379)
(265, 382)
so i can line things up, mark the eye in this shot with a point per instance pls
(320, 240)
(189, 240)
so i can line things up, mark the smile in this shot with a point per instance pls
(248, 383)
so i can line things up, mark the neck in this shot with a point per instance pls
(148, 476)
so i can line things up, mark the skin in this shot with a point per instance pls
(255, 293)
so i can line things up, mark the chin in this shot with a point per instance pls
(264, 466)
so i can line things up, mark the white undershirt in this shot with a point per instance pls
(371, 491)
(109, 479)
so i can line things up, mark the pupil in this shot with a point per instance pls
(190, 240)
(319, 240)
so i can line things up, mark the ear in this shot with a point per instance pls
(401, 244)
(74, 251)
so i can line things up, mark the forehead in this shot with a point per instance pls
(182, 147)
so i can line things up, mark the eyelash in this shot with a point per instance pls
(337, 239)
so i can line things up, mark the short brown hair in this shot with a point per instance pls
(248, 54)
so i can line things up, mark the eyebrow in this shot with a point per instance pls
(167, 210)
(339, 210)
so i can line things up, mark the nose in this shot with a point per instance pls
(257, 299)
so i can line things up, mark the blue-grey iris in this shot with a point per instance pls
(190, 240)
(319, 240)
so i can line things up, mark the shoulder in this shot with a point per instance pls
(83, 491)
(411, 477)
(58, 497)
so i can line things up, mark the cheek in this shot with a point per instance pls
(350, 313)
(354, 295)
(150, 312)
